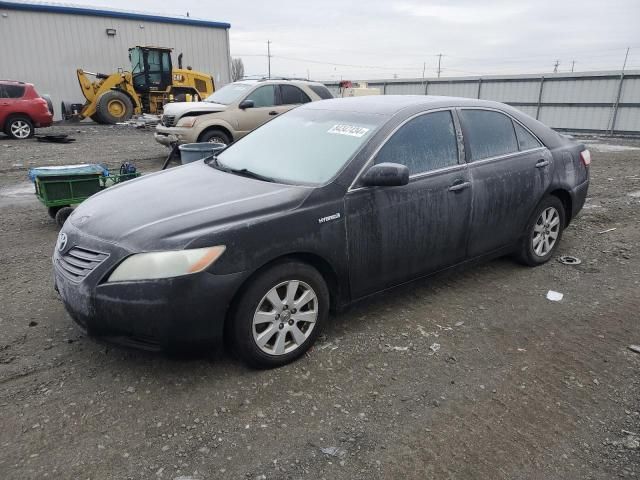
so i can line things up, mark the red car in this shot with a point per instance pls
(22, 109)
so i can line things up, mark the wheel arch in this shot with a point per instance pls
(567, 202)
(324, 267)
(216, 126)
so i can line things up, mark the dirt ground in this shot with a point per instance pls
(470, 375)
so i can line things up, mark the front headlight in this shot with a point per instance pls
(152, 265)
(186, 122)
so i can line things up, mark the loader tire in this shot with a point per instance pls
(113, 107)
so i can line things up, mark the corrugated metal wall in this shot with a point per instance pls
(46, 48)
(576, 101)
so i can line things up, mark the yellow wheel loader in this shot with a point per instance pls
(152, 82)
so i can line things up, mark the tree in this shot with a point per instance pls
(237, 69)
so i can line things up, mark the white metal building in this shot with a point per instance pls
(44, 44)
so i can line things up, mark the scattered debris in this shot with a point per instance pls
(401, 349)
(635, 194)
(334, 451)
(434, 347)
(55, 138)
(607, 230)
(569, 260)
(142, 121)
(634, 348)
(33, 323)
(459, 324)
(554, 296)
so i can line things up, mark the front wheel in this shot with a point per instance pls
(543, 232)
(280, 314)
(215, 135)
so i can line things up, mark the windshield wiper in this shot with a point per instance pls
(214, 163)
(248, 173)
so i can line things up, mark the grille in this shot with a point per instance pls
(79, 262)
(168, 120)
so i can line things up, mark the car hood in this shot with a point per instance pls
(170, 209)
(181, 108)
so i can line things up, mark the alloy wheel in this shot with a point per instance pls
(20, 129)
(546, 231)
(285, 317)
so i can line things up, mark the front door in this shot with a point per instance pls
(396, 234)
(510, 171)
(265, 107)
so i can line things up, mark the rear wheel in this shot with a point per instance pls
(113, 107)
(19, 127)
(280, 314)
(543, 232)
(215, 135)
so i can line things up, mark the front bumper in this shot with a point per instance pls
(155, 314)
(169, 136)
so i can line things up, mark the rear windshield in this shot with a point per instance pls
(303, 146)
(229, 93)
(322, 91)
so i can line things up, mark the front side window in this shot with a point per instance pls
(292, 95)
(13, 91)
(425, 143)
(264, 96)
(526, 141)
(488, 133)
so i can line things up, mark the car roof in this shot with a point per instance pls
(392, 104)
(14, 82)
(294, 81)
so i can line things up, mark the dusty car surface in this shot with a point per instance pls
(234, 110)
(22, 109)
(326, 204)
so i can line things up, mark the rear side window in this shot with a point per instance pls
(11, 91)
(322, 91)
(427, 142)
(488, 133)
(526, 141)
(264, 96)
(293, 95)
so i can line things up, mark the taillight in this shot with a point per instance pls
(585, 155)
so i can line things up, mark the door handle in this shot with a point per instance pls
(456, 187)
(542, 163)
(273, 112)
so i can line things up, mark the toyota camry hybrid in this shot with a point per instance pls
(322, 206)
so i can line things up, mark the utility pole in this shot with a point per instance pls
(424, 67)
(269, 57)
(617, 104)
(555, 67)
(307, 74)
(439, 60)
(573, 64)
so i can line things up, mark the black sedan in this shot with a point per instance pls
(324, 205)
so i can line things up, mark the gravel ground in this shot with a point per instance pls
(474, 374)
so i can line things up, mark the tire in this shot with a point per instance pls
(215, 135)
(282, 329)
(96, 118)
(47, 99)
(113, 107)
(19, 127)
(538, 242)
(62, 215)
(52, 211)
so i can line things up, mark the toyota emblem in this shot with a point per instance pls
(62, 241)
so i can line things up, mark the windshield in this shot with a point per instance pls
(303, 146)
(229, 93)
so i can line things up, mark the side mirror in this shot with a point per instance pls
(246, 104)
(386, 175)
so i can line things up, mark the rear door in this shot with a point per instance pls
(510, 172)
(399, 233)
(291, 96)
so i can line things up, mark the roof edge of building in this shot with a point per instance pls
(78, 10)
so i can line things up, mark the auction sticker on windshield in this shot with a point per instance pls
(350, 130)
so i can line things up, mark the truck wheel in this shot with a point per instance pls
(62, 215)
(19, 127)
(113, 107)
(52, 211)
(96, 118)
(215, 135)
(279, 315)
